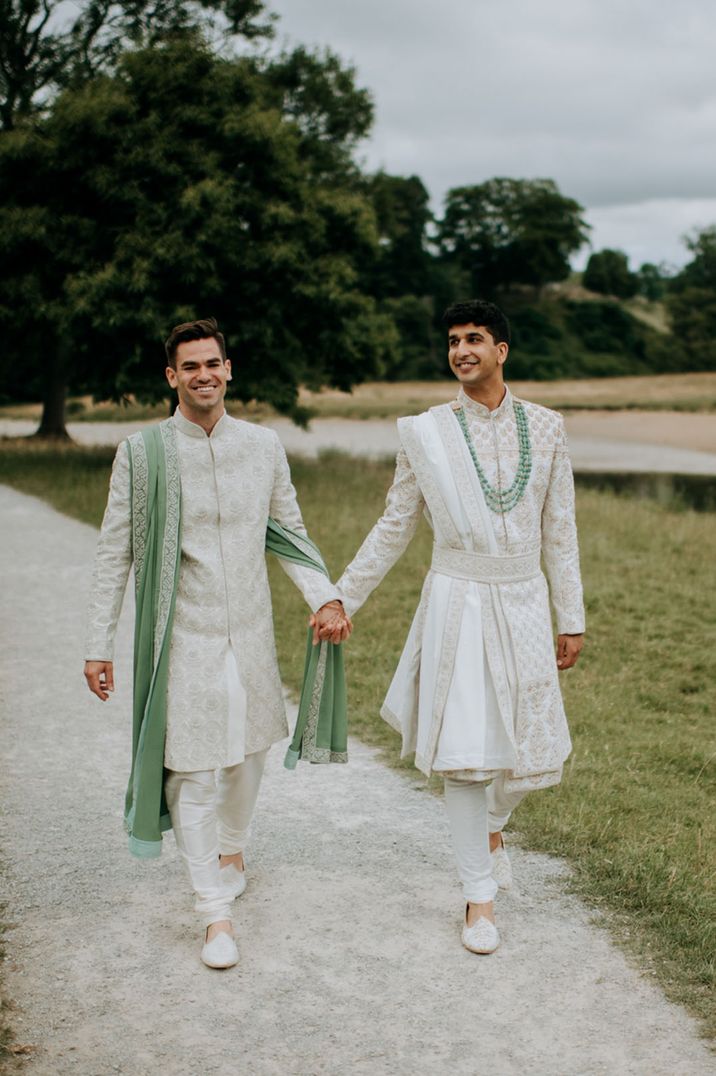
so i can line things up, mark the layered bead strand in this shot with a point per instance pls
(504, 500)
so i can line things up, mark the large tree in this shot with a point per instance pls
(187, 185)
(511, 231)
(47, 45)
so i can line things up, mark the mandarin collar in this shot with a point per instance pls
(192, 429)
(474, 408)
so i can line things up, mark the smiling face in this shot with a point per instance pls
(475, 358)
(200, 378)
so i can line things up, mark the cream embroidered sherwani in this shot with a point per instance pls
(224, 698)
(475, 693)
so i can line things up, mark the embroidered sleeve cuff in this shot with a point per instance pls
(570, 626)
(351, 605)
(329, 594)
(99, 653)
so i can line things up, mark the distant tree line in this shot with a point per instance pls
(158, 163)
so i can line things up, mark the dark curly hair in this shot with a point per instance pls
(479, 312)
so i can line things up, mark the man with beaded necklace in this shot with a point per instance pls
(476, 693)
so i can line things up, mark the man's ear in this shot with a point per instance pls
(227, 364)
(171, 376)
(504, 351)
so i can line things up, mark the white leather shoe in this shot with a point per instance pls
(482, 937)
(220, 952)
(501, 867)
(233, 880)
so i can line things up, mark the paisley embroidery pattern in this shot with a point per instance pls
(516, 618)
(310, 752)
(171, 532)
(138, 453)
(230, 483)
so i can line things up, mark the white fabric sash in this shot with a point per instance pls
(485, 568)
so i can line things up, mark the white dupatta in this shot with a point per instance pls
(443, 694)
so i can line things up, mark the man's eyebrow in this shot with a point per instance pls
(473, 332)
(195, 362)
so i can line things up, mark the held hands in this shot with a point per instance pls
(330, 623)
(568, 649)
(100, 678)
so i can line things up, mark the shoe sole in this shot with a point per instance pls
(219, 967)
(481, 952)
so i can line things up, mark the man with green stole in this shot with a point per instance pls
(194, 503)
(475, 694)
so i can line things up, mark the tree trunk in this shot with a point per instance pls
(52, 424)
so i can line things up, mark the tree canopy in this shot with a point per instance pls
(44, 47)
(189, 185)
(608, 273)
(511, 231)
(691, 303)
(403, 265)
(152, 172)
(652, 281)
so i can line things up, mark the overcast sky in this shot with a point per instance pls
(614, 99)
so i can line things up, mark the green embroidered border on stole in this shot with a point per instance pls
(321, 732)
(156, 517)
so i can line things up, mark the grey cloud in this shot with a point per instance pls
(615, 101)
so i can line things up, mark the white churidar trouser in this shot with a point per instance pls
(500, 804)
(211, 815)
(474, 811)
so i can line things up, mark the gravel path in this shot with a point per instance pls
(334, 977)
(666, 442)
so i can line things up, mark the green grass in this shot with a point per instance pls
(635, 812)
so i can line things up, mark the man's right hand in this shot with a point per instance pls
(100, 678)
(330, 623)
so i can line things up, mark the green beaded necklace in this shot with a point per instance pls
(504, 500)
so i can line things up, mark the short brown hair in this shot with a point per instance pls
(203, 329)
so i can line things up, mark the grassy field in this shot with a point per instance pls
(635, 812)
(382, 399)
(680, 392)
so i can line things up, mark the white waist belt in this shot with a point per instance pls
(483, 568)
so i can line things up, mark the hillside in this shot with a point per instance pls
(570, 332)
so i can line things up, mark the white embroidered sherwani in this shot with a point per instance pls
(475, 693)
(224, 698)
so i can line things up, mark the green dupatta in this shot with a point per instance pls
(321, 728)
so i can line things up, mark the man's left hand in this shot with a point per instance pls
(330, 623)
(568, 648)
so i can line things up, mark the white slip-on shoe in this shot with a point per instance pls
(233, 880)
(220, 952)
(501, 867)
(482, 937)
